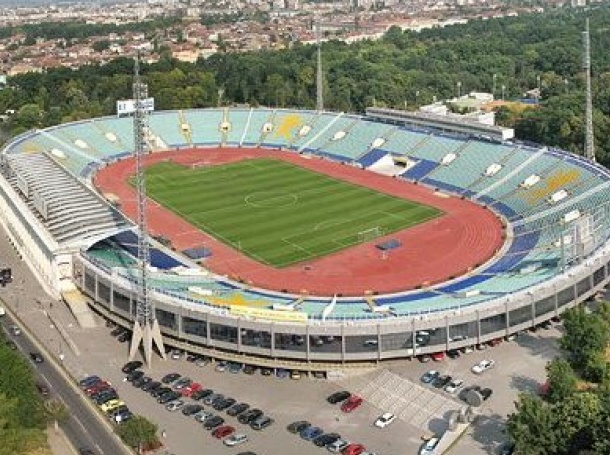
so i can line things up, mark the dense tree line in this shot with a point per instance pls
(512, 54)
(23, 416)
(572, 417)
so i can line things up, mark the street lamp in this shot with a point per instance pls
(539, 89)
(459, 88)
(493, 86)
(503, 91)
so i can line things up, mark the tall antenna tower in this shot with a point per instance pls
(589, 138)
(319, 74)
(146, 329)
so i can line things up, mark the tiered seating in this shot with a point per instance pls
(257, 121)
(470, 165)
(122, 128)
(322, 143)
(403, 140)
(238, 118)
(318, 124)
(436, 147)
(205, 125)
(167, 126)
(286, 127)
(358, 140)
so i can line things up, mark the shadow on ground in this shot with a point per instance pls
(524, 384)
(489, 431)
(542, 344)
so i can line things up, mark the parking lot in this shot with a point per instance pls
(393, 387)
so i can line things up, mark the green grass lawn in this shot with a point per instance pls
(278, 213)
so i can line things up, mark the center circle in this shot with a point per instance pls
(271, 199)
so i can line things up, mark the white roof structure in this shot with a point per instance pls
(73, 214)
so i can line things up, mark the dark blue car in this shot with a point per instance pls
(311, 433)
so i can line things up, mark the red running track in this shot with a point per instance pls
(466, 236)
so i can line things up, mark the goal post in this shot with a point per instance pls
(370, 234)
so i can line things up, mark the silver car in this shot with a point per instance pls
(174, 405)
(236, 439)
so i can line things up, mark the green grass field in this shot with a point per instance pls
(278, 213)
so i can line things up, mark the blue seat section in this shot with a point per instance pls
(254, 131)
(205, 125)
(238, 118)
(419, 170)
(286, 127)
(520, 248)
(359, 139)
(129, 242)
(166, 125)
(371, 157)
(441, 185)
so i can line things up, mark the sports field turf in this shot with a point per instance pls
(278, 213)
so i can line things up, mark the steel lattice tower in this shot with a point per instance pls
(146, 329)
(319, 74)
(589, 137)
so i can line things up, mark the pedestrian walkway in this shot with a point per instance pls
(409, 401)
(58, 442)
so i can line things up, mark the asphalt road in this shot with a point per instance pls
(83, 427)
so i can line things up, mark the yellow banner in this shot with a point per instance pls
(270, 315)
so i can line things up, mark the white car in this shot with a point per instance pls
(454, 385)
(236, 439)
(483, 366)
(2, 311)
(384, 420)
(174, 405)
(338, 445)
(429, 446)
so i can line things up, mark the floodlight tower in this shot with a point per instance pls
(589, 138)
(146, 329)
(319, 73)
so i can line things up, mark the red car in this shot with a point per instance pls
(194, 387)
(223, 431)
(438, 356)
(353, 402)
(97, 387)
(354, 449)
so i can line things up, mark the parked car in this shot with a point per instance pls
(131, 366)
(111, 404)
(203, 361)
(453, 386)
(352, 403)
(249, 416)
(424, 358)
(429, 446)
(202, 394)
(483, 366)
(354, 449)
(177, 354)
(105, 397)
(223, 431)
(266, 371)
(15, 330)
(295, 374)
(281, 373)
(438, 356)
(43, 389)
(298, 426)
(117, 331)
(174, 405)
(202, 416)
(211, 398)
(88, 381)
(429, 376)
(169, 378)
(182, 383)
(338, 445)
(441, 381)
(326, 439)
(156, 393)
(221, 366)
(234, 367)
(384, 420)
(467, 350)
(134, 375)
(235, 439)
(237, 409)
(311, 433)
(139, 383)
(124, 337)
(167, 397)
(191, 409)
(190, 389)
(261, 423)
(213, 422)
(221, 405)
(453, 353)
(151, 386)
(338, 397)
(249, 369)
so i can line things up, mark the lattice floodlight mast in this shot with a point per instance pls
(589, 138)
(319, 73)
(146, 329)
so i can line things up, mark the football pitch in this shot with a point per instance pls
(279, 213)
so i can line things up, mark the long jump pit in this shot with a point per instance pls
(463, 238)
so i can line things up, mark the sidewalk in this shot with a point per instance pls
(58, 442)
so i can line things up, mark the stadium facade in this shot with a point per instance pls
(553, 204)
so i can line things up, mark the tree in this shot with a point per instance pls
(139, 432)
(561, 380)
(585, 335)
(531, 428)
(56, 412)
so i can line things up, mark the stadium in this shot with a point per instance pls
(310, 238)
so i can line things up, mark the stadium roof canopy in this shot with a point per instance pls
(70, 212)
